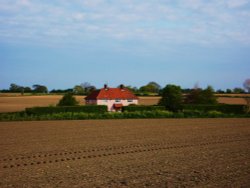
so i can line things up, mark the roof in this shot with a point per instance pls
(111, 93)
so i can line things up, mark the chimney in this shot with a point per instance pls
(105, 86)
(122, 87)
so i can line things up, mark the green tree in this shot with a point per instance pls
(151, 87)
(171, 98)
(88, 88)
(39, 89)
(207, 96)
(199, 96)
(15, 88)
(79, 90)
(68, 100)
(238, 90)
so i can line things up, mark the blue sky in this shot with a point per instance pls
(63, 43)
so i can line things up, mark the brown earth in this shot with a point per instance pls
(14, 103)
(126, 153)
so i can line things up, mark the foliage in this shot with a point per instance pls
(133, 108)
(199, 96)
(68, 100)
(225, 108)
(172, 98)
(87, 87)
(78, 90)
(21, 116)
(63, 109)
(61, 90)
(238, 90)
(151, 87)
(39, 88)
(247, 109)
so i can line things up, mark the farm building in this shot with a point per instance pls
(113, 98)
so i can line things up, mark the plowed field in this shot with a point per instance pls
(126, 153)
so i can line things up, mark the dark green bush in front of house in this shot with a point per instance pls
(134, 108)
(224, 108)
(62, 109)
(68, 100)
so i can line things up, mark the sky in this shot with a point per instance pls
(63, 43)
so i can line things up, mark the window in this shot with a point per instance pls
(104, 100)
(117, 100)
(130, 100)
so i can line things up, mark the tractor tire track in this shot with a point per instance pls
(65, 156)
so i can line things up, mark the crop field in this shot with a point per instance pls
(126, 153)
(12, 103)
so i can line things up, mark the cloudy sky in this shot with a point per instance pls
(62, 43)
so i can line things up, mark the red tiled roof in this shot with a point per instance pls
(111, 93)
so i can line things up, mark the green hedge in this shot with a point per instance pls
(224, 108)
(62, 109)
(134, 108)
(114, 115)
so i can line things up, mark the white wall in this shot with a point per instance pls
(110, 103)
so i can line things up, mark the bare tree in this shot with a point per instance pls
(246, 85)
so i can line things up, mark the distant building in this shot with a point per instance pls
(113, 98)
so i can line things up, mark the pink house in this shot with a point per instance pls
(113, 98)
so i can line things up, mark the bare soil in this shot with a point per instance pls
(126, 153)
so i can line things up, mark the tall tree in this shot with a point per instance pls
(88, 88)
(172, 98)
(40, 88)
(79, 90)
(15, 88)
(199, 96)
(151, 87)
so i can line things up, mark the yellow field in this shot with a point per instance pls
(16, 102)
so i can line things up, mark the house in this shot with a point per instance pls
(113, 98)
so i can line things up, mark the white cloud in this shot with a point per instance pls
(189, 21)
(236, 3)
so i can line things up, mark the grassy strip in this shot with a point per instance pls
(22, 116)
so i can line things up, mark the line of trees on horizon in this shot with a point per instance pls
(152, 88)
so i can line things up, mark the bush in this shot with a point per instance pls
(68, 100)
(224, 108)
(134, 108)
(214, 114)
(63, 109)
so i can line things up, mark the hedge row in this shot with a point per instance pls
(224, 108)
(62, 109)
(125, 115)
(134, 108)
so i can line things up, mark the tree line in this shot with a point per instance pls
(152, 88)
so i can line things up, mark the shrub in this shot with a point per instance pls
(62, 109)
(214, 114)
(224, 108)
(68, 100)
(133, 108)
